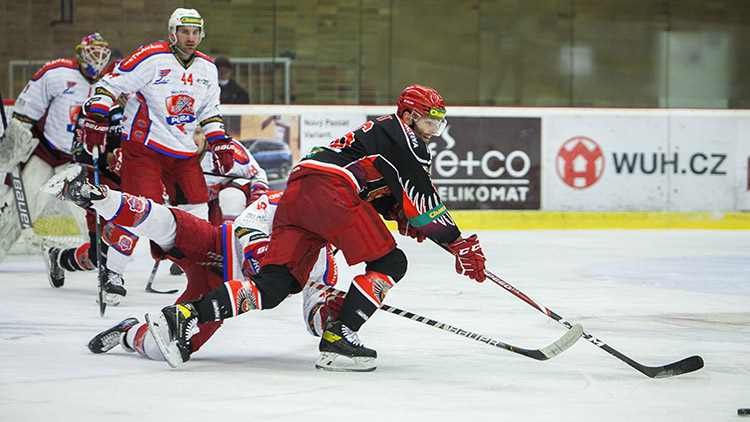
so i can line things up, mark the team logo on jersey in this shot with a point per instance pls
(162, 74)
(69, 89)
(73, 114)
(180, 110)
(125, 243)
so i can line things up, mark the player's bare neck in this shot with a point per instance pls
(185, 59)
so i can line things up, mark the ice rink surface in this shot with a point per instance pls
(655, 295)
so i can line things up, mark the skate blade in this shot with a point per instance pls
(329, 361)
(169, 350)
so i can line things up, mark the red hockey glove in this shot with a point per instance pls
(223, 152)
(469, 257)
(116, 165)
(257, 193)
(333, 306)
(94, 132)
(254, 255)
(404, 227)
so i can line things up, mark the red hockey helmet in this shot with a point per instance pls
(423, 101)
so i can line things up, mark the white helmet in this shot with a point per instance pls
(185, 17)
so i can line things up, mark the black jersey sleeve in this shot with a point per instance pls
(404, 161)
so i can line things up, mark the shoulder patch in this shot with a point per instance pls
(203, 56)
(132, 61)
(275, 196)
(54, 64)
(240, 153)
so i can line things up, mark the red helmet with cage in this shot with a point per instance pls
(423, 101)
(93, 51)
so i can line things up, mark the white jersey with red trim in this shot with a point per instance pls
(56, 93)
(170, 98)
(245, 167)
(251, 231)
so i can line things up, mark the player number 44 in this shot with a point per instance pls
(187, 79)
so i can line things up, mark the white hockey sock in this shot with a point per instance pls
(108, 206)
(139, 339)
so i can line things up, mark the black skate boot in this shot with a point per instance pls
(172, 329)
(111, 337)
(340, 341)
(114, 289)
(55, 272)
(70, 184)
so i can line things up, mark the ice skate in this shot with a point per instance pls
(114, 289)
(341, 350)
(111, 337)
(172, 329)
(55, 273)
(70, 184)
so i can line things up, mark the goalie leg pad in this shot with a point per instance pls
(10, 228)
(34, 174)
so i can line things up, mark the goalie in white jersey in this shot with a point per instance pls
(40, 133)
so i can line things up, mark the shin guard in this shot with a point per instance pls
(374, 286)
(133, 210)
(119, 238)
(365, 296)
(233, 298)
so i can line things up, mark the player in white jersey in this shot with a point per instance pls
(52, 99)
(42, 126)
(210, 254)
(230, 194)
(174, 89)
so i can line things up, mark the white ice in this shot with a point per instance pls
(655, 295)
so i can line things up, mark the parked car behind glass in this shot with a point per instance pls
(273, 156)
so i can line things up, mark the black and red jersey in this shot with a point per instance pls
(387, 163)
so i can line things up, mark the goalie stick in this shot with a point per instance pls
(151, 280)
(22, 204)
(684, 366)
(554, 349)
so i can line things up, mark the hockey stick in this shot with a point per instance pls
(151, 280)
(208, 173)
(21, 204)
(99, 265)
(554, 349)
(684, 366)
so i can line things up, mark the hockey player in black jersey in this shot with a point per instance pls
(337, 194)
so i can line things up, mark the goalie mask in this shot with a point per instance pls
(93, 52)
(184, 17)
(426, 107)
